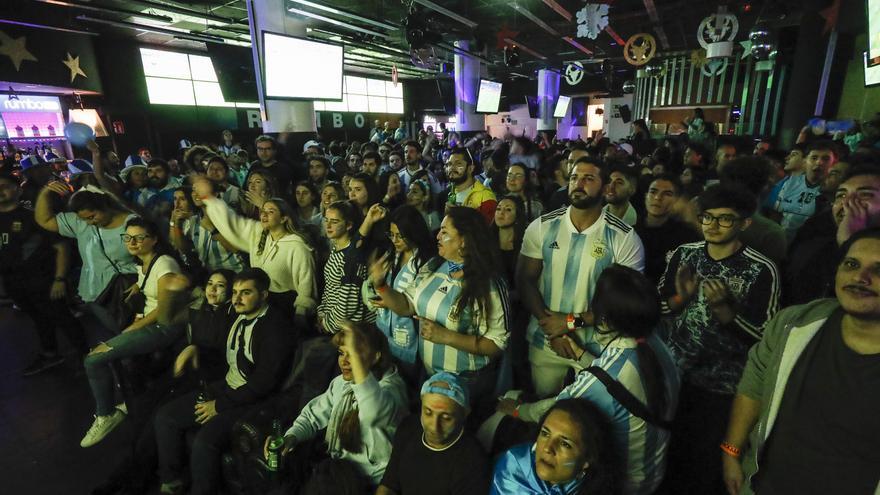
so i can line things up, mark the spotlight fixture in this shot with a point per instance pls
(418, 33)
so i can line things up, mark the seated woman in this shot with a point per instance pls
(143, 336)
(570, 456)
(275, 246)
(413, 247)
(627, 309)
(460, 301)
(360, 409)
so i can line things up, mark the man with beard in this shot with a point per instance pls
(562, 256)
(370, 165)
(621, 187)
(718, 295)
(464, 190)
(258, 348)
(807, 402)
(794, 198)
(413, 159)
(267, 160)
(319, 170)
(158, 196)
(856, 207)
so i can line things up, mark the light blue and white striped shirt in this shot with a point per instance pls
(434, 294)
(401, 331)
(643, 446)
(211, 253)
(574, 260)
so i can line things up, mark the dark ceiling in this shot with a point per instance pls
(375, 37)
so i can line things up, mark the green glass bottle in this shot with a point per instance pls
(276, 443)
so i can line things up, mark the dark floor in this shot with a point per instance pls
(43, 418)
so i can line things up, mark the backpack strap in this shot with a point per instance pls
(627, 399)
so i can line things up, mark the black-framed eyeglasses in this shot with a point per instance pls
(725, 221)
(128, 238)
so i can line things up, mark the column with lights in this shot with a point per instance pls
(548, 93)
(467, 86)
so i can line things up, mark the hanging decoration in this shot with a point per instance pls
(716, 28)
(72, 63)
(714, 67)
(698, 58)
(591, 20)
(574, 73)
(760, 44)
(656, 70)
(15, 49)
(640, 49)
(628, 87)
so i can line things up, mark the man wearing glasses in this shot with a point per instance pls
(267, 161)
(718, 294)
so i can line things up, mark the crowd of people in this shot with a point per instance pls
(470, 314)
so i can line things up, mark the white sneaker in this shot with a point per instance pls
(101, 427)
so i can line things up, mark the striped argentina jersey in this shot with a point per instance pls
(574, 260)
(211, 253)
(433, 294)
(642, 446)
(401, 331)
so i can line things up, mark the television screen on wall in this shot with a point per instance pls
(301, 69)
(872, 74)
(489, 96)
(873, 32)
(561, 109)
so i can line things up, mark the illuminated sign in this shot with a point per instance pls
(30, 104)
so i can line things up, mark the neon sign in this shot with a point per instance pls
(31, 104)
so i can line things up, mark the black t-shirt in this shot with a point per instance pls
(826, 435)
(661, 241)
(413, 469)
(25, 248)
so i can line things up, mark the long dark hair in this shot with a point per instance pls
(228, 275)
(368, 335)
(413, 228)
(481, 259)
(373, 194)
(519, 224)
(162, 247)
(627, 304)
(604, 468)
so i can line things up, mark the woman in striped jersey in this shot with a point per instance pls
(460, 301)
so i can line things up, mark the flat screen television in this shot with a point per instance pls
(234, 66)
(872, 74)
(873, 7)
(532, 102)
(561, 109)
(489, 96)
(301, 69)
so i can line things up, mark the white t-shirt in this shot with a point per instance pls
(162, 266)
(573, 261)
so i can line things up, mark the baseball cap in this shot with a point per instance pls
(310, 143)
(628, 148)
(455, 389)
(80, 166)
(185, 144)
(131, 163)
(31, 161)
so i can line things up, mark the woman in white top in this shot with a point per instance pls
(274, 245)
(142, 336)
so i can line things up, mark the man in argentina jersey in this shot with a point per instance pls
(562, 256)
(718, 294)
(794, 198)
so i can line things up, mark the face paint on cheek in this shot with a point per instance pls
(445, 238)
(569, 464)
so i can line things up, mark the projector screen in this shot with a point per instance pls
(489, 97)
(873, 32)
(301, 69)
(561, 109)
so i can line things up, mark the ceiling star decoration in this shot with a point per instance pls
(591, 20)
(640, 49)
(502, 36)
(15, 49)
(72, 63)
(830, 15)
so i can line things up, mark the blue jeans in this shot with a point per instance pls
(98, 324)
(124, 345)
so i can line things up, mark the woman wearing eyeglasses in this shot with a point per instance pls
(156, 266)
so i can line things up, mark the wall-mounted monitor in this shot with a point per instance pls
(532, 102)
(489, 96)
(872, 74)
(301, 69)
(561, 109)
(873, 7)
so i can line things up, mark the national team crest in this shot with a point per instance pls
(16, 226)
(736, 285)
(598, 250)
